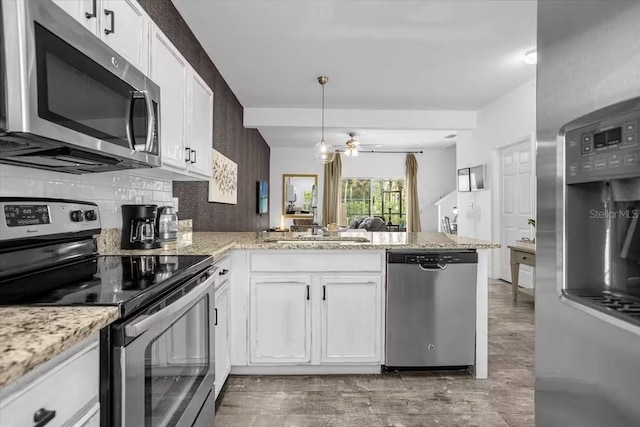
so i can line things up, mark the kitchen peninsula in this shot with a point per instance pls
(294, 274)
(253, 255)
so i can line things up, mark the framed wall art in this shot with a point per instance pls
(223, 186)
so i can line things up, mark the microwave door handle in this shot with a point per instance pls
(151, 121)
(128, 125)
(144, 322)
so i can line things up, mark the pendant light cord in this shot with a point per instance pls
(322, 112)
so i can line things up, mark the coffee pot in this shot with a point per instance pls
(139, 227)
(167, 224)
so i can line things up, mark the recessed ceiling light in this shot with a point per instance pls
(531, 56)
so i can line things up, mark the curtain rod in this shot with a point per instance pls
(386, 152)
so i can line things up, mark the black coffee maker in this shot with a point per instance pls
(139, 227)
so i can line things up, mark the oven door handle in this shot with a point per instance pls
(144, 322)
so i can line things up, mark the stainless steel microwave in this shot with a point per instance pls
(68, 102)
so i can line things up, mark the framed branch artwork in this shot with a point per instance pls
(223, 186)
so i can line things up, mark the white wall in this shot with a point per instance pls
(436, 176)
(109, 190)
(507, 120)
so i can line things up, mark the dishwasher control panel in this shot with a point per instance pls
(432, 258)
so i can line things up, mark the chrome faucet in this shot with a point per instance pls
(314, 229)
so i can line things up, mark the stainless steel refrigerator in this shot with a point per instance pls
(587, 301)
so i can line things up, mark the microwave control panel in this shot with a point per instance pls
(607, 149)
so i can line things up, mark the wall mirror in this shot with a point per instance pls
(297, 195)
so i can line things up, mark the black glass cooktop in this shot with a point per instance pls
(129, 282)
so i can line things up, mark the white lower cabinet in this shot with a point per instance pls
(280, 320)
(221, 324)
(315, 320)
(351, 319)
(65, 390)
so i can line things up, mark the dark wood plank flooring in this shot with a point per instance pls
(401, 399)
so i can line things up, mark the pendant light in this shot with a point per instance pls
(323, 152)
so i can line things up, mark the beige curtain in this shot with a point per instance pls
(332, 187)
(413, 207)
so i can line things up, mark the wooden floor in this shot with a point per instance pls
(401, 399)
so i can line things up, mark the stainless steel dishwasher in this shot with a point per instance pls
(431, 308)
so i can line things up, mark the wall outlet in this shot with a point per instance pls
(470, 207)
(138, 200)
(174, 201)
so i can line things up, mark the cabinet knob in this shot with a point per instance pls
(42, 417)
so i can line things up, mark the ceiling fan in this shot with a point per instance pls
(352, 146)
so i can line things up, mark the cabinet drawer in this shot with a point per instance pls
(67, 388)
(293, 261)
(525, 258)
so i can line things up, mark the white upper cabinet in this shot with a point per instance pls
(122, 24)
(125, 27)
(83, 11)
(170, 71)
(200, 135)
(186, 111)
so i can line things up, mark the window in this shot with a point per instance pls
(383, 198)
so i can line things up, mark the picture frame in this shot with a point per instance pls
(223, 185)
(477, 178)
(464, 181)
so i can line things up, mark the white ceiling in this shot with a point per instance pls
(378, 54)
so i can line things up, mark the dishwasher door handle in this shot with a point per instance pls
(439, 267)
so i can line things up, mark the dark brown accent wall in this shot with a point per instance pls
(246, 147)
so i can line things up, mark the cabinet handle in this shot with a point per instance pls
(193, 160)
(215, 312)
(308, 295)
(187, 158)
(223, 272)
(324, 292)
(108, 31)
(94, 10)
(42, 417)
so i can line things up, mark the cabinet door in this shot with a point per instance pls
(221, 322)
(169, 70)
(125, 27)
(83, 11)
(280, 314)
(200, 119)
(351, 319)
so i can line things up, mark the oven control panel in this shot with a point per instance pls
(31, 217)
(606, 149)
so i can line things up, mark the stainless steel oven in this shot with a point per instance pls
(76, 105)
(164, 359)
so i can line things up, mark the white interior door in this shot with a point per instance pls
(516, 176)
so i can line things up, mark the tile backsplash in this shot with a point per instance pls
(109, 190)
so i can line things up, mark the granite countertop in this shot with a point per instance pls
(219, 243)
(30, 336)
